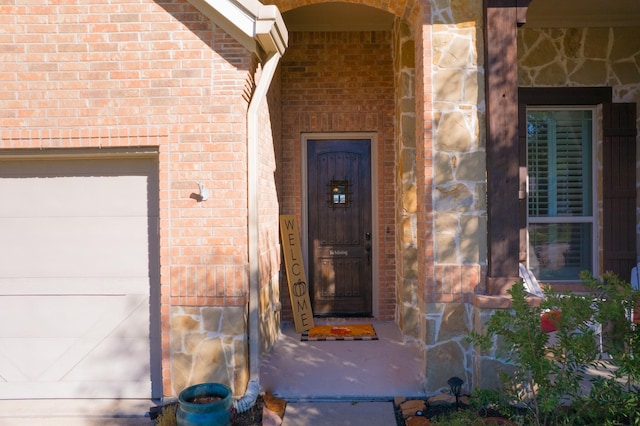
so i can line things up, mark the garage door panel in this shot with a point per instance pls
(55, 186)
(28, 359)
(73, 285)
(76, 246)
(72, 316)
(74, 338)
(99, 366)
(83, 390)
(51, 317)
(135, 320)
(76, 196)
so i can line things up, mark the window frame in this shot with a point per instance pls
(593, 218)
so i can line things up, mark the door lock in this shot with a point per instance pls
(367, 247)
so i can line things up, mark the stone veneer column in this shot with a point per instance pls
(408, 311)
(209, 344)
(460, 218)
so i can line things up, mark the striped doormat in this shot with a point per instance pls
(340, 332)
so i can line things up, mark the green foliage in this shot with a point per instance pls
(168, 416)
(547, 373)
(458, 418)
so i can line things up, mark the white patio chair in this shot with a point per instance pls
(530, 282)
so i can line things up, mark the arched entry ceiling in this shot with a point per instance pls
(336, 16)
(583, 13)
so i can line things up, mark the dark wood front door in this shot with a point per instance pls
(340, 227)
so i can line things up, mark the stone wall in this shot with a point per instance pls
(459, 151)
(448, 352)
(209, 344)
(581, 57)
(486, 365)
(408, 311)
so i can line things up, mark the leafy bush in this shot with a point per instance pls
(547, 373)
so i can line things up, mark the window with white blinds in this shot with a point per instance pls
(560, 192)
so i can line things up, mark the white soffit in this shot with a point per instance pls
(334, 16)
(583, 13)
(250, 22)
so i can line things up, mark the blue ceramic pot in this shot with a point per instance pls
(200, 412)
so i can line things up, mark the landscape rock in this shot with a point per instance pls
(409, 408)
(417, 421)
(442, 399)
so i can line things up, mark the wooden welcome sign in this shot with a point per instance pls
(296, 276)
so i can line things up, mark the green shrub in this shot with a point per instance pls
(546, 377)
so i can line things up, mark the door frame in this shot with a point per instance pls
(304, 222)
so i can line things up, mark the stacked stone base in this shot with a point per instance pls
(209, 344)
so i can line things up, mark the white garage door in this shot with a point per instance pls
(77, 237)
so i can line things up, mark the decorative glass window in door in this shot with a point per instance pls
(561, 219)
(339, 193)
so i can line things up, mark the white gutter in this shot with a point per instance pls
(250, 22)
(258, 28)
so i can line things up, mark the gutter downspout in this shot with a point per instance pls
(253, 115)
(272, 35)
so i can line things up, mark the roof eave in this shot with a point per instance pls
(250, 22)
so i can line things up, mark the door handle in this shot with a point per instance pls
(367, 236)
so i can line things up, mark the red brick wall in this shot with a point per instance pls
(342, 82)
(142, 73)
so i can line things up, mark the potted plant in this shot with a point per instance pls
(204, 404)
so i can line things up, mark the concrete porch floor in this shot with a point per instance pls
(375, 370)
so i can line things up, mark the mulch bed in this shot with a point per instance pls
(412, 411)
(251, 417)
